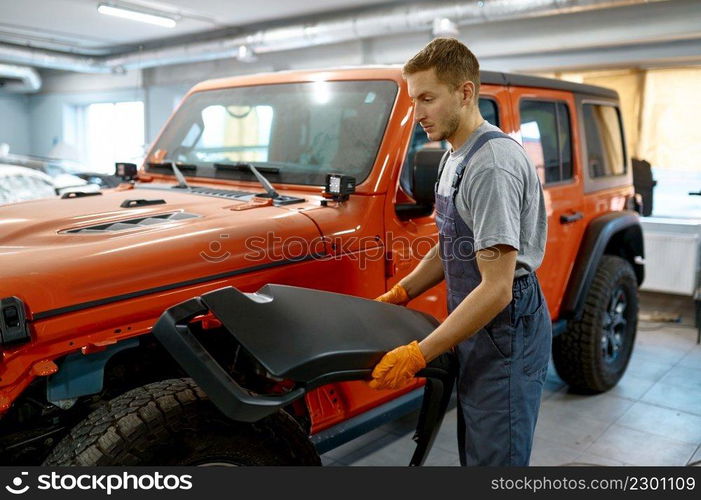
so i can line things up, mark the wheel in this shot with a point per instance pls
(174, 423)
(593, 353)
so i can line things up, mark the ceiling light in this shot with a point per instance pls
(136, 15)
(442, 26)
(245, 54)
(322, 92)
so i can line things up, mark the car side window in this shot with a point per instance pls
(490, 112)
(564, 140)
(604, 136)
(547, 138)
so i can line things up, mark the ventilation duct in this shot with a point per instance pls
(19, 79)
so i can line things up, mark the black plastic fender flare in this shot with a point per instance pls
(621, 227)
(309, 350)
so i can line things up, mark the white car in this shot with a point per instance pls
(64, 180)
(21, 183)
(66, 183)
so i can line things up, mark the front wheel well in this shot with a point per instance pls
(35, 424)
(616, 234)
(173, 422)
(132, 368)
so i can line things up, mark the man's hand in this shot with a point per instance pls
(397, 368)
(397, 295)
(427, 274)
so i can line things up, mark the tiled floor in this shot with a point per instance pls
(652, 417)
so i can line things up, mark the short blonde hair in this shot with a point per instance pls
(453, 62)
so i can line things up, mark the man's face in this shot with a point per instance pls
(436, 105)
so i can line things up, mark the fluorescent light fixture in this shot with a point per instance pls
(136, 15)
(245, 54)
(442, 26)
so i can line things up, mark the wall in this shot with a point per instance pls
(159, 102)
(14, 123)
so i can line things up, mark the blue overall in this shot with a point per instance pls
(503, 366)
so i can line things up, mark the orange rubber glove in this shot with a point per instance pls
(396, 295)
(398, 367)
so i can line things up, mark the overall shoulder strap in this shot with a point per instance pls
(441, 165)
(481, 141)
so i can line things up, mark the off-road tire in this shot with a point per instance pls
(174, 423)
(578, 353)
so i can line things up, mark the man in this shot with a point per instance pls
(491, 217)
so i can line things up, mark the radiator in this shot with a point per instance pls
(671, 257)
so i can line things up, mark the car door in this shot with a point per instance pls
(545, 121)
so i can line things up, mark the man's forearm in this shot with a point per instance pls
(473, 313)
(497, 267)
(426, 275)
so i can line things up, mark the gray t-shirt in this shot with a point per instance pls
(500, 198)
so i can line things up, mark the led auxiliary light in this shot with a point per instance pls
(136, 15)
(339, 187)
(126, 171)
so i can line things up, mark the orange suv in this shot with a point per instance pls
(314, 179)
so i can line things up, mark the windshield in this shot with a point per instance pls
(293, 133)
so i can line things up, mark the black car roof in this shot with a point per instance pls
(498, 78)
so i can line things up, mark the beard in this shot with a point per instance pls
(451, 125)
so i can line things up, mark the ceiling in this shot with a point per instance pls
(76, 26)
(513, 35)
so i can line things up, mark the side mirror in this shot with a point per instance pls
(424, 171)
(426, 163)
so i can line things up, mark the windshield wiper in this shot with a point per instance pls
(176, 168)
(182, 183)
(250, 168)
(243, 167)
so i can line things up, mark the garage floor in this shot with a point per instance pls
(652, 417)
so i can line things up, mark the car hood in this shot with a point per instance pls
(58, 253)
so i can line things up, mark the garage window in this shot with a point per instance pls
(113, 131)
(547, 139)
